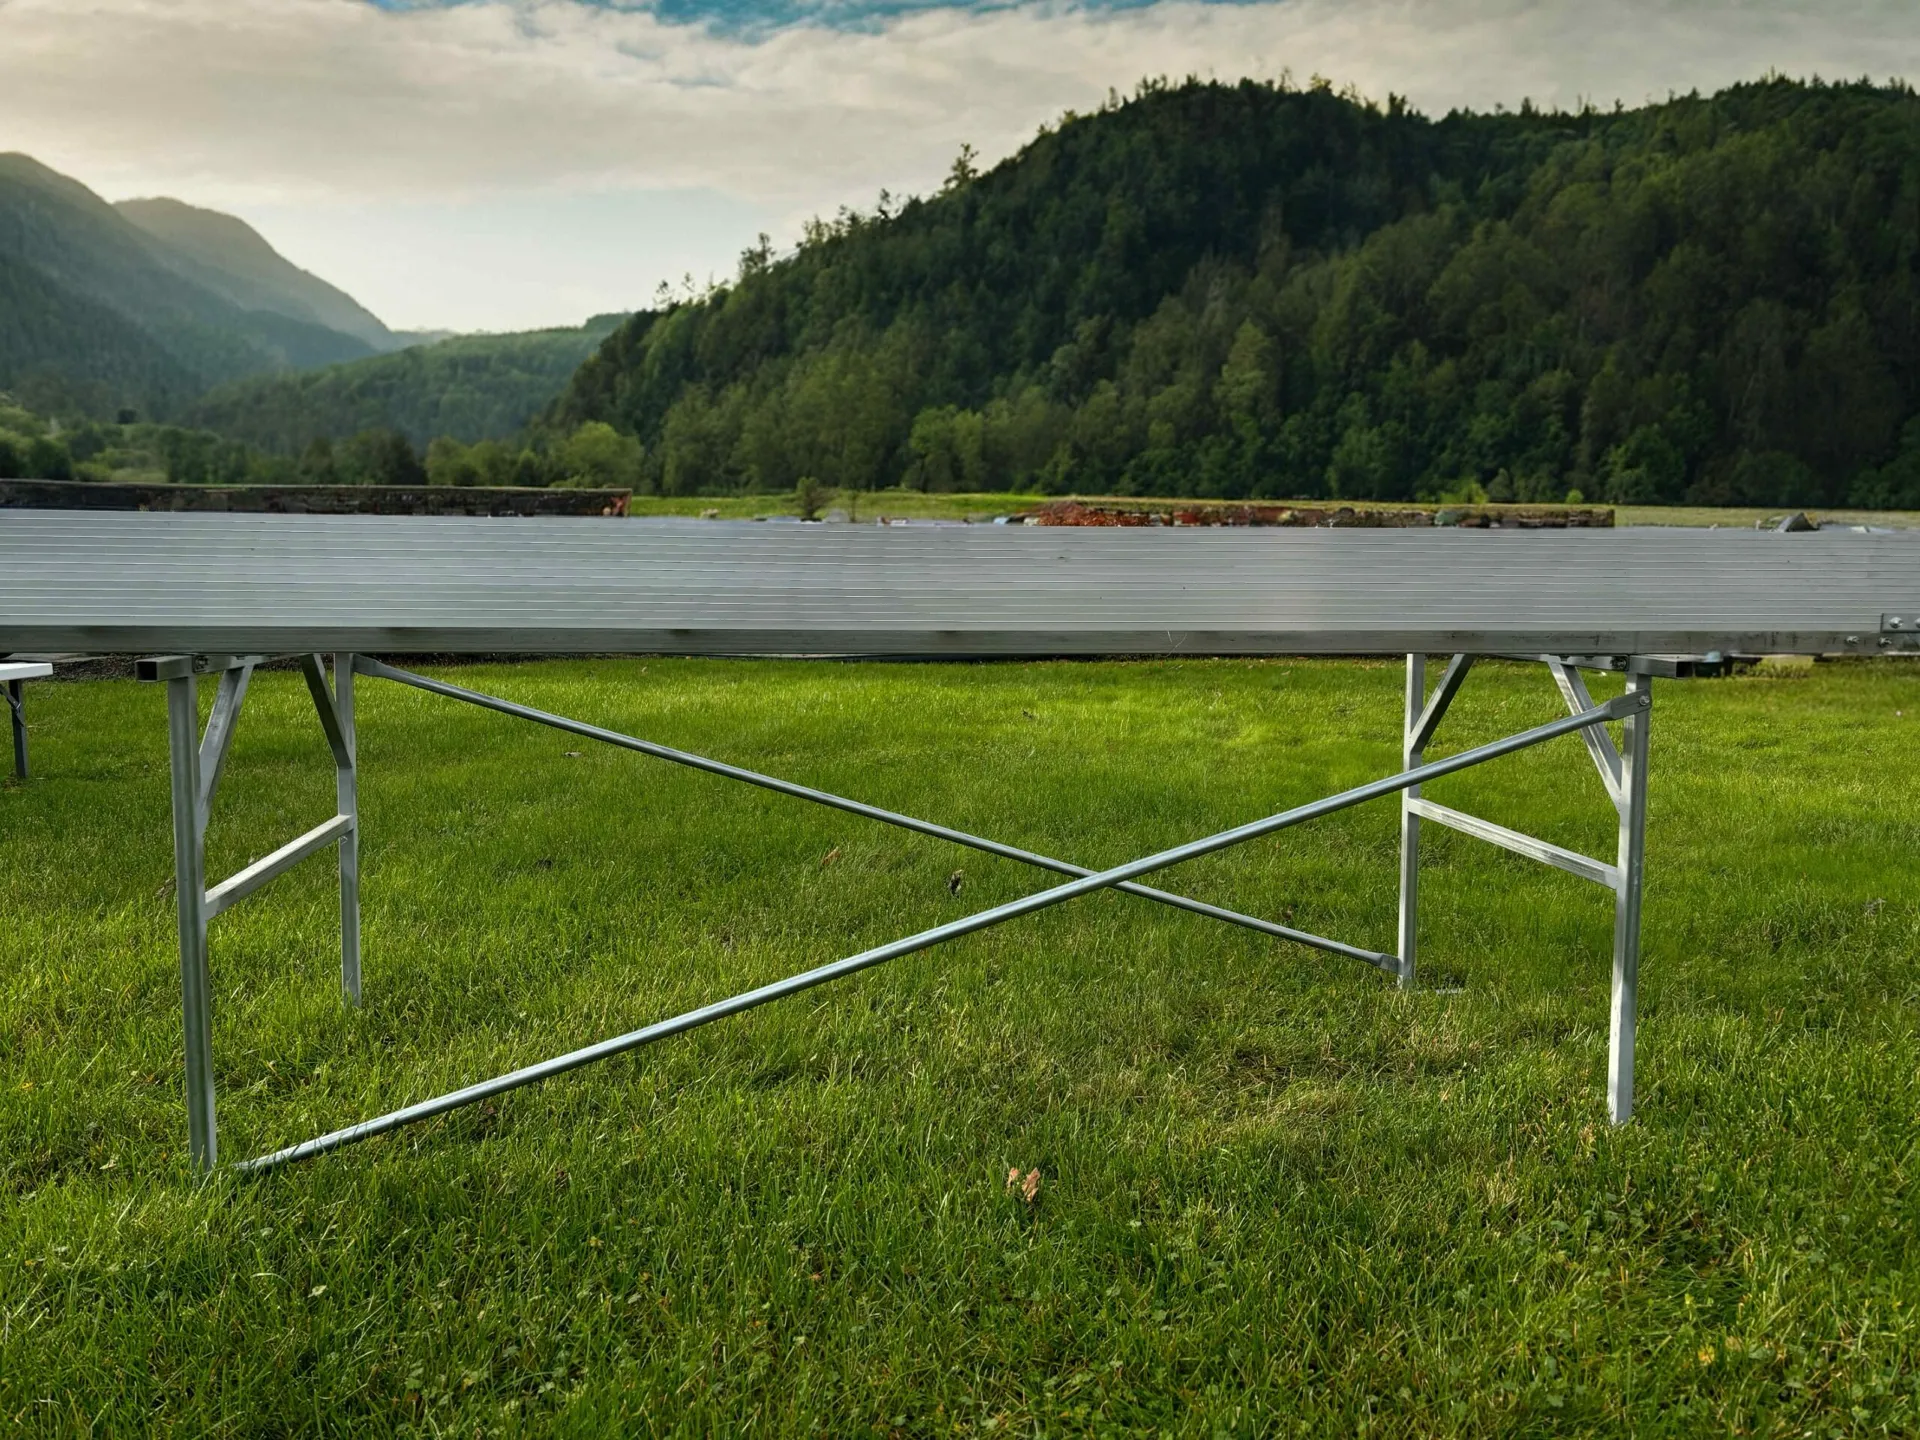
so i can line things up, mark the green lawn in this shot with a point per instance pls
(1276, 1196)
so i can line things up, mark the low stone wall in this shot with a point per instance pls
(311, 499)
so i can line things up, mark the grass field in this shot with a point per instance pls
(1275, 1196)
(1747, 519)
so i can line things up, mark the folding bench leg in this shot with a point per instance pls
(16, 697)
(347, 798)
(1410, 756)
(1626, 911)
(190, 891)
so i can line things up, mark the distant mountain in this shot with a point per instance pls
(147, 323)
(61, 352)
(230, 258)
(472, 387)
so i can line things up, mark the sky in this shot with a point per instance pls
(506, 164)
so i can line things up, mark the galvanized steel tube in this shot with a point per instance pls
(1620, 708)
(855, 807)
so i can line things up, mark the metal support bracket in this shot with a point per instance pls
(175, 667)
(13, 677)
(1900, 633)
(1534, 848)
(235, 888)
(220, 727)
(327, 705)
(1421, 731)
(1606, 759)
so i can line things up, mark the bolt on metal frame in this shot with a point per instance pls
(198, 759)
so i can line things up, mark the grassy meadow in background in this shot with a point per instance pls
(1274, 1196)
(863, 505)
(872, 505)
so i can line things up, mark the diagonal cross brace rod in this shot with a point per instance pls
(1617, 709)
(366, 666)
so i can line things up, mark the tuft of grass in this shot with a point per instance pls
(1273, 1194)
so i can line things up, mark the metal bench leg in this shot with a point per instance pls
(1410, 755)
(190, 891)
(347, 797)
(1626, 913)
(1424, 714)
(16, 696)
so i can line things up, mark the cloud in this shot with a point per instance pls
(337, 98)
(317, 103)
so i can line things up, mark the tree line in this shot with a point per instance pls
(1266, 291)
(36, 447)
(469, 388)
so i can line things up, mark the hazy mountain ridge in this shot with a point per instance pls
(184, 314)
(85, 258)
(226, 255)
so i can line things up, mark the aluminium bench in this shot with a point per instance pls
(210, 596)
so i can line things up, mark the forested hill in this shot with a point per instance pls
(1254, 290)
(472, 387)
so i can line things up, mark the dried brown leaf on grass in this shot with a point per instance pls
(831, 856)
(1027, 1187)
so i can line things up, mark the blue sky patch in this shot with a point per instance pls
(750, 17)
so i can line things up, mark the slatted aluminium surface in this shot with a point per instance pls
(220, 583)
